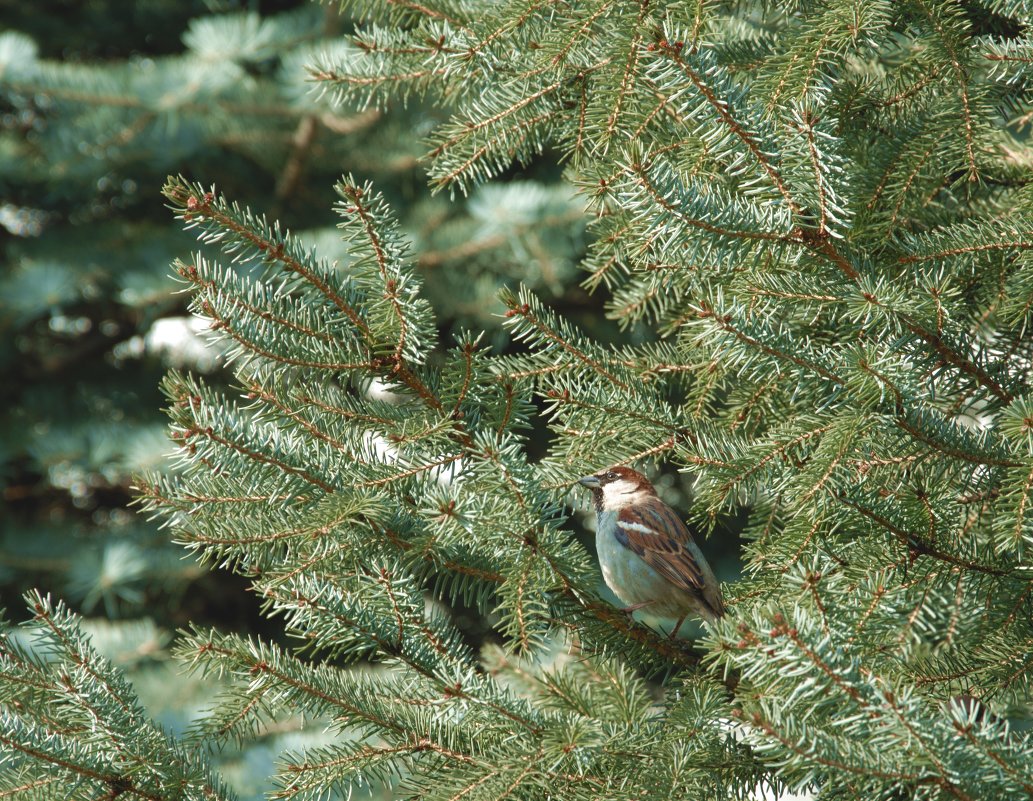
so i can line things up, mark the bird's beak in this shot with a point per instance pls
(590, 481)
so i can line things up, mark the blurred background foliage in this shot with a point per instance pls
(100, 100)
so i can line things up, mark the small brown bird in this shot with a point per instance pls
(647, 555)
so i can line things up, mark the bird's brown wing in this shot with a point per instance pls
(653, 531)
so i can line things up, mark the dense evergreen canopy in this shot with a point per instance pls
(811, 224)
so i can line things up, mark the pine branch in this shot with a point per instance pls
(78, 721)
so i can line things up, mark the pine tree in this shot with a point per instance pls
(91, 125)
(814, 221)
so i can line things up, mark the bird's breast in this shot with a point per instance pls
(630, 578)
(606, 539)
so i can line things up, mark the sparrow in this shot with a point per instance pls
(646, 553)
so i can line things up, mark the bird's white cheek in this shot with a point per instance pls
(618, 494)
(615, 490)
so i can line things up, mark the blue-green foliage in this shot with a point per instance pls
(814, 224)
(89, 317)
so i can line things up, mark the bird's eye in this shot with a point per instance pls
(611, 476)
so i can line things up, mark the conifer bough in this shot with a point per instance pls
(817, 222)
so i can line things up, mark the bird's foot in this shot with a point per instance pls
(628, 610)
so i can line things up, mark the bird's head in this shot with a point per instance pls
(617, 487)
